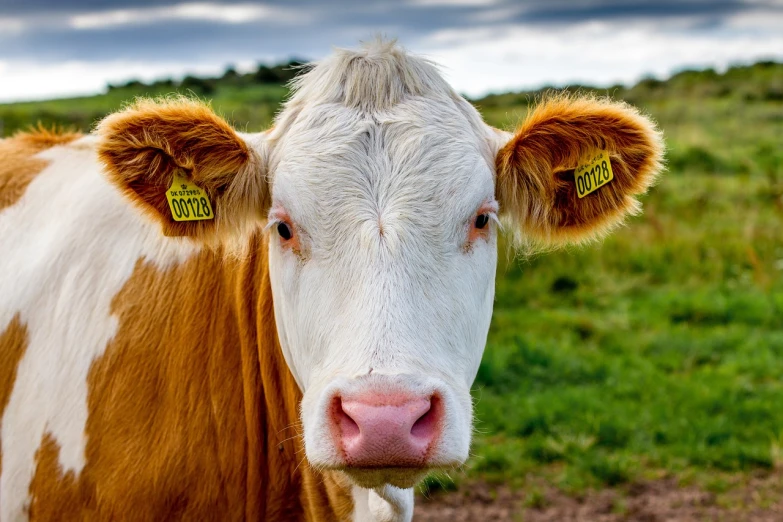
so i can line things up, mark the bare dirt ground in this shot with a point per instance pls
(755, 499)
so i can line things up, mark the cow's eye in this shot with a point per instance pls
(479, 228)
(284, 231)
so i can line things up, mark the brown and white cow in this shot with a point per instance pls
(306, 353)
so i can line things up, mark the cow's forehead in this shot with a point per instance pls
(423, 157)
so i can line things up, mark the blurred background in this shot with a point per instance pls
(637, 379)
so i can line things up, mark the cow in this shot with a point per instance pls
(198, 323)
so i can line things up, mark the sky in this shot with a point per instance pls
(56, 48)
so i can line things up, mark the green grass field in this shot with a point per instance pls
(658, 350)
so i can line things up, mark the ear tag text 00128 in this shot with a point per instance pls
(593, 173)
(187, 201)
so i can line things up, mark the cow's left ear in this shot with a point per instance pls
(221, 184)
(536, 183)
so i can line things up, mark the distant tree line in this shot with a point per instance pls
(276, 75)
(762, 81)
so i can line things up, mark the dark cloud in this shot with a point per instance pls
(550, 11)
(319, 28)
(565, 12)
(16, 7)
(184, 42)
(23, 7)
(310, 26)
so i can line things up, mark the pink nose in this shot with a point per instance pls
(377, 431)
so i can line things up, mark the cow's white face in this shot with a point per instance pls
(382, 265)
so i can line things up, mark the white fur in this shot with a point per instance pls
(68, 246)
(390, 504)
(383, 504)
(383, 295)
(361, 504)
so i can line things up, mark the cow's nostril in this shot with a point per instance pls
(425, 426)
(348, 427)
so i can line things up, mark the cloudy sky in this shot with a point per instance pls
(63, 47)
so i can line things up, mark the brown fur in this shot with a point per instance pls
(193, 413)
(535, 170)
(13, 344)
(143, 144)
(19, 166)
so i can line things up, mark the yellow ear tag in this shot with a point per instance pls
(593, 173)
(187, 201)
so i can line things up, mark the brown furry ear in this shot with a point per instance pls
(535, 169)
(142, 145)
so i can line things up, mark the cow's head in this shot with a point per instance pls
(382, 191)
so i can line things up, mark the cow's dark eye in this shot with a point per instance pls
(284, 231)
(481, 221)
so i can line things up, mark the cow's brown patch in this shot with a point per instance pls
(13, 344)
(328, 493)
(65, 499)
(192, 409)
(18, 166)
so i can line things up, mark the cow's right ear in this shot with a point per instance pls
(146, 145)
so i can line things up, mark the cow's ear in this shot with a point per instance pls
(536, 184)
(221, 177)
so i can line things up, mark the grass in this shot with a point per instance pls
(658, 350)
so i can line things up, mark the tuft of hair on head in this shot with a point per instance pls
(143, 144)
(376, 77)
(535, 169)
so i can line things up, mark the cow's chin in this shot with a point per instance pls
(371, 478)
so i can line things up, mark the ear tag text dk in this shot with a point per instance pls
(187, 201)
